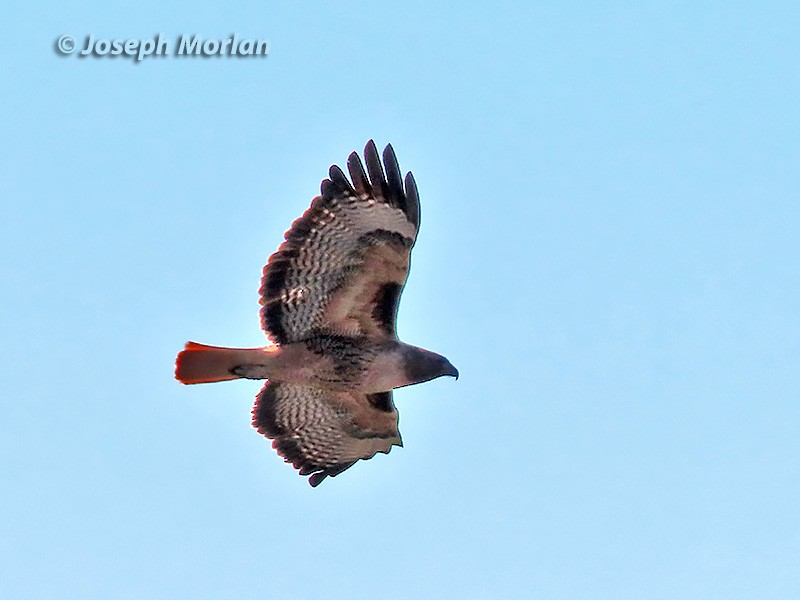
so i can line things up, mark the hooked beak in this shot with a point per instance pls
(452, 371)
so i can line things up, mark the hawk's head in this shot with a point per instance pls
(424, 365)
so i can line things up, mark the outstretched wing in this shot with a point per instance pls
(344, 263)
(321, 432)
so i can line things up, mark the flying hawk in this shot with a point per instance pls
(329, 299)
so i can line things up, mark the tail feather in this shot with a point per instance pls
(198, 363)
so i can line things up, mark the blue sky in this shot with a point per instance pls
(608, 253)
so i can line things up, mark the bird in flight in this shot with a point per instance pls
(329, 299)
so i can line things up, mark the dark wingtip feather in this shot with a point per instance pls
(412, 200)
(374, 167)
(336, 185)
(327, 189)
(357, 173)
(332, 471)
(317, 478)
(339, 179)
(394, 178)
(370, 146)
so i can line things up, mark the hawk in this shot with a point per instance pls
(329, 299)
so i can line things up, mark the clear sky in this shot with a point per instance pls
(609, 254)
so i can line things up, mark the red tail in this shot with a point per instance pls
(198, 363)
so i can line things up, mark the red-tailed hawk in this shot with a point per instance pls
(329, 299)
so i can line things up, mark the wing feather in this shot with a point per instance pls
(394, 180)
(412, 200)
(357, 174)
(376, 176)
(339, 181)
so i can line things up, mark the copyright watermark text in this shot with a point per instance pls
(185, 45)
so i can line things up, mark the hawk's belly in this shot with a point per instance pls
(341, 363)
